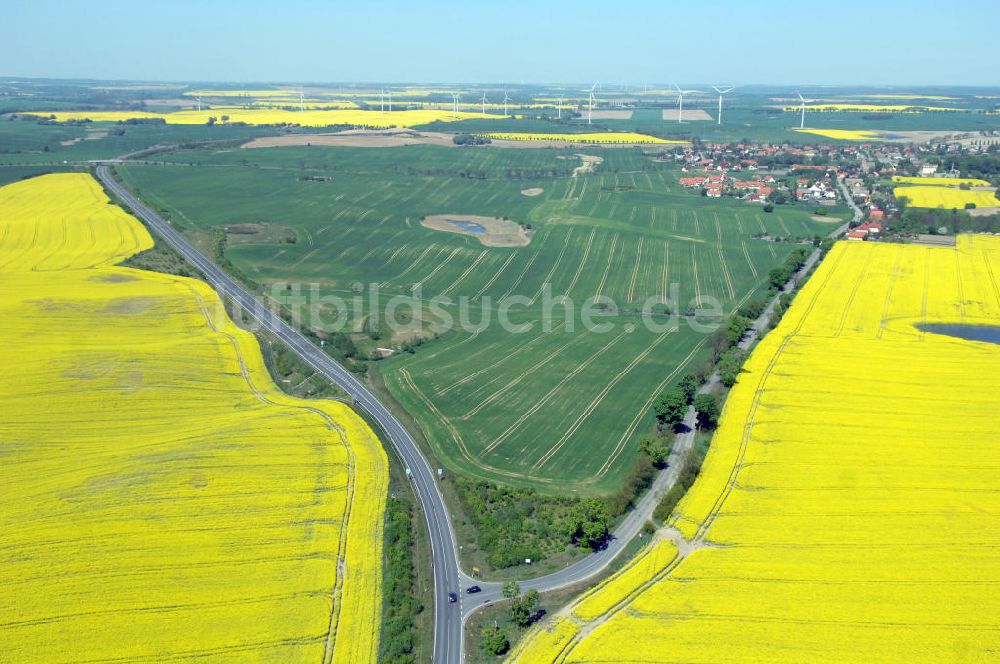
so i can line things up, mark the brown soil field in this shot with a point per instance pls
(689, 115)
(355, 138)
(984, 211)
(612, 115)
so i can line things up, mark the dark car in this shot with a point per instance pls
(452, 597)
(473, 590)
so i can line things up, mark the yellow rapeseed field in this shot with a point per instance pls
(948, 198)
(844, 134)
(163, 500)
(547, 643)
(624, 137)
(848, 507)
(940, 182)
(269, 116)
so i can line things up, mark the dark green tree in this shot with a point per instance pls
(494, 640)
(729, 367)
(689, 383)
(530, 605)
(656, 449)
(671, 406)
(589, 522)
(708, 410)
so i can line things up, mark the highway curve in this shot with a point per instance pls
(447, 616)
(448, 576)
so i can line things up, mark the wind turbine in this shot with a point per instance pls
(680, 104)
(199, 103)
(381, 99)
(484, 104)
(802, 125)
(302, 105)
(559, 105)
(722, 92)
(389, 92)
(590, 107)
(455, 96)
(505, 100)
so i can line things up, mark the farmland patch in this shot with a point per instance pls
(387, 138)
(617, 231)
(152, 467)
(688, 115)
(612, 115)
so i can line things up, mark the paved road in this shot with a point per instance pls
(858, 214)
(448, 577)
(447, 616)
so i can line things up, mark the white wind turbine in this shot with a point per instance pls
(505, 100)
(455, 96)
(199, 103)
(680, 104)
(389, 92)
(484, 104)
(590, 107)
(302, 104)
(802, 124)
(721, 93)
(559, 105)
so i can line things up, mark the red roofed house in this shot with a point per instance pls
(692, 182)
(857, 235)
(761, 194)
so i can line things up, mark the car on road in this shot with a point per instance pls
(452, 597)
(473, 590)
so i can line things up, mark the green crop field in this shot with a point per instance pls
(562, 408)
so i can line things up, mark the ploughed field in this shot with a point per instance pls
(163, 500)
(847, 509)
(558, 408)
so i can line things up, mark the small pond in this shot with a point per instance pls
(468, 226)
(988, 333)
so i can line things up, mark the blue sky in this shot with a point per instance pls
(887, 42)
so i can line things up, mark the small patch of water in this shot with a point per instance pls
(987, 333)
(468, 226)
